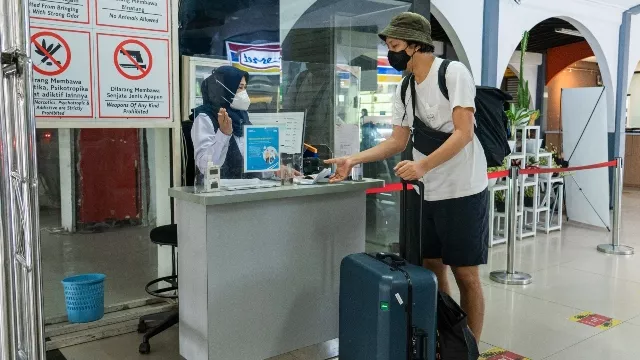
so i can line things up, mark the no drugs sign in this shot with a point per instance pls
(62, 71)
(133, 77)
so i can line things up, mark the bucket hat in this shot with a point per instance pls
(408, 26)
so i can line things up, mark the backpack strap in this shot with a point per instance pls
(403, 94)
(442, 78)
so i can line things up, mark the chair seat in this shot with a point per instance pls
(165, 235)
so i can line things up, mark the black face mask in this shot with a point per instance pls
(399, 60)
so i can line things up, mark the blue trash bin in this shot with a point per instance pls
(84, 296)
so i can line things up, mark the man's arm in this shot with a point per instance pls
(386, 149)
(394, 145)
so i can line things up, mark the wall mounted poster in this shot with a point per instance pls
(262, 148)
(101, 60)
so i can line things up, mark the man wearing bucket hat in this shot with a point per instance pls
(452, 167)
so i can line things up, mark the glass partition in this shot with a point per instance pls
(319, 57)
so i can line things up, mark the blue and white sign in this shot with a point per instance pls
(262, 148)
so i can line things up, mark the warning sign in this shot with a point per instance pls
(62, 73)
(133, 77)
(70, 11)
(133, 14)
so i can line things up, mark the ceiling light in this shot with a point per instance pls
(569, 32)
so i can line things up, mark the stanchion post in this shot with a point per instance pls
(510, 276)
(615, 248)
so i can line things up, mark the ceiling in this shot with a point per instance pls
(544, 36)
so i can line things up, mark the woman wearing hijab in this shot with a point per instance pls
(217, 132)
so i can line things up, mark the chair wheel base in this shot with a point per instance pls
(144, 348)
(142, 327)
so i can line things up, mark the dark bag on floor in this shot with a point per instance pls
(455, 339)
(491, 120)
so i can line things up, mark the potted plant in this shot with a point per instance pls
(529, 192)
(500, 201)
(503, 167)
(520, 114)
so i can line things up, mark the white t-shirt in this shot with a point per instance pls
(466, 173)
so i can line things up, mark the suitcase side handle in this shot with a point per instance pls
(395, 259)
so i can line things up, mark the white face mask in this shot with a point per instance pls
(241, 101)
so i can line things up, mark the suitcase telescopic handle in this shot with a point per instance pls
(406, 230)
(395, 259)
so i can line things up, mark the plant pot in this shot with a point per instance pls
(533, 145)
(492, 183)
(500, 206)
(528, 201)
(512, 145)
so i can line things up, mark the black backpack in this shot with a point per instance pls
(491, 120)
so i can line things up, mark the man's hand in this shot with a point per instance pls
(343, 171)
(224, 121)
(410, 170)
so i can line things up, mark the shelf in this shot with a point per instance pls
(540, 209)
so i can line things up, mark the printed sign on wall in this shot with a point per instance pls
(81, 51)
(69, 11)
(62, 72)
(149, 15)
(255, 59)
(133, 77)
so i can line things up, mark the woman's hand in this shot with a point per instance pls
(410, 170)
(224, 121)
(343, 171)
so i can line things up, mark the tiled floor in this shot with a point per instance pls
(569, 277)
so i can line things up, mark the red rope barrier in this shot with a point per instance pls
(532, 171)
(501, 174)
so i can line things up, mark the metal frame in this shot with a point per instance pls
(615, 248)
(22, 326)
(510, 276)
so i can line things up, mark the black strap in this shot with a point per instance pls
(403, 94)
(442, 78)
(413, 95)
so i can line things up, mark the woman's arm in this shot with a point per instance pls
(208, 144)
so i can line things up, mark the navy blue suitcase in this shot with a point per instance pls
(388, 307)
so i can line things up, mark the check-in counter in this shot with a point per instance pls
(259, 269)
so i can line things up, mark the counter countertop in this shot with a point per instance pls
(232, 197)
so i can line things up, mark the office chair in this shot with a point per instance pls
(154, 324)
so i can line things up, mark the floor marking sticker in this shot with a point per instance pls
(595, 320)
(500, 354)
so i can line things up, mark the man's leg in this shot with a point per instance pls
(441, 271)
(471, 297)
(462, 224)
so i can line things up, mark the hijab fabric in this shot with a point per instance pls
(218, 91)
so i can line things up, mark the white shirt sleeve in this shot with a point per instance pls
(402, 115)
(462, 88)
(208, 143)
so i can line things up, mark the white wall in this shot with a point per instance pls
(468, 25)
(531, 63)
(598, 23)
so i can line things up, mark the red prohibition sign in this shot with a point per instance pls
(134, 62)
(49, 56)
